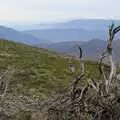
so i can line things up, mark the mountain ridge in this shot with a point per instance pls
(91, 24)
(14, 35)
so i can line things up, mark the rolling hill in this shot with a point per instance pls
(11, 34)
(38, 72)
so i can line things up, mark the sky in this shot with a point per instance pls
(57, 10)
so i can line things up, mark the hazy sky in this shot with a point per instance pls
(58, 10)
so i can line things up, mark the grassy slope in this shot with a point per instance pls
(38, 72)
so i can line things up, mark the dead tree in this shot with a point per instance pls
(78, 78)
(94, 101)
(108, 53)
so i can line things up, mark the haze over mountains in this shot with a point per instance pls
(75, 30)
(88, 24)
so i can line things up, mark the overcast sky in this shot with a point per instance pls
(58, 10)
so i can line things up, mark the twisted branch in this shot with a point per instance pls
(108, 53)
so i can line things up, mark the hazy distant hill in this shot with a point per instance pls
(65, 47)
(11, 34)
(92, 49)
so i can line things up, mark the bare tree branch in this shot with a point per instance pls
(108, 53)
(77, 79)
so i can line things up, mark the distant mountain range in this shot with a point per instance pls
(75, 30)
(88, 24)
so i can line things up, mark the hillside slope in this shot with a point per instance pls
(38, 72)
